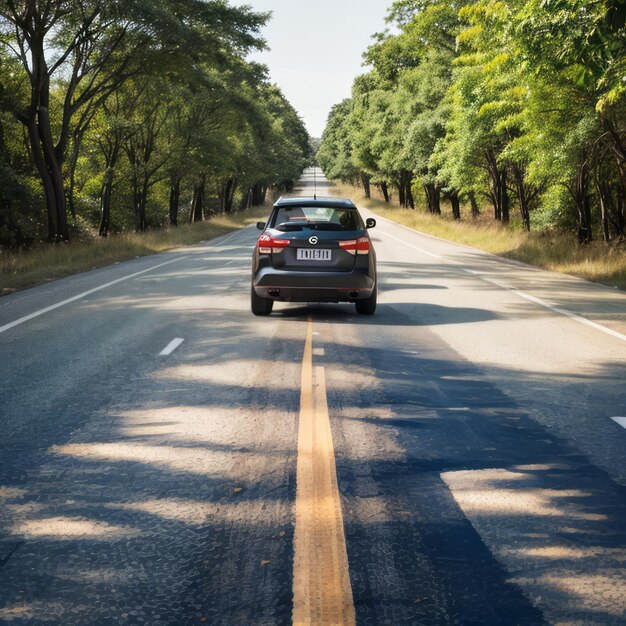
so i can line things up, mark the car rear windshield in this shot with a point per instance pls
(318, 218)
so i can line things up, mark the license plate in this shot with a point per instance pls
(313, 254)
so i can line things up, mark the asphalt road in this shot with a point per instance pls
(154, 451)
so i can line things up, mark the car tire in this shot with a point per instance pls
(260, 306)
(367, 306)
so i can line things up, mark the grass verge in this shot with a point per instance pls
(43, 263)
(555, 251)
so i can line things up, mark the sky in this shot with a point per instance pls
(316, 50)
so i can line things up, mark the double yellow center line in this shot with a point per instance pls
(321, 582)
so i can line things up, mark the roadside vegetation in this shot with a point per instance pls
(553, 249)
(497, 123)
(131, 116)
(41, 263)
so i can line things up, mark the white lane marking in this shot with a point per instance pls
(171, 346)
(435, 256)
(52, 307)
(490, 255)
(526, 296)
(556, 309)
(572, 316)
(620, 420)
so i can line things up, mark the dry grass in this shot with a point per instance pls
(558, 252)
(43, 263)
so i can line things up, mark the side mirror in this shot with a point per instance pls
(370, 222)
(260, 225)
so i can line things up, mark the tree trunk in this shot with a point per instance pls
(46, 180)
(143, 201)
(519, 175)
(401, 196)
(136, 202)
(227, 195)
(499, 192)
(105, 203)
(73, 162)
(583, 204)
(37, 121)
(474, 204)
(405, 194)
(499, 195)
(409, 193)
(603, 197)
(258, 194)
(174, 200)
(197, 204)
(111, 157)
(385, 190)
(456, 205)
(365, 181)
(504, 197)
(433, 198)
(621, 202)
(54, 167)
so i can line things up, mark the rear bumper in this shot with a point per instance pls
(313, 286)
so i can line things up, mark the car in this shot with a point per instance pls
(314, 249)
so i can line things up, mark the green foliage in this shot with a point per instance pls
(521, 103)
(140, 109)
(335, 153)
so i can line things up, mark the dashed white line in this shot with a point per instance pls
(171, 346)
(620, 420)
(52, 307)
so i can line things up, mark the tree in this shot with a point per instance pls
(87, 49)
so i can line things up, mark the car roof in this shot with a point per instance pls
(312, 201)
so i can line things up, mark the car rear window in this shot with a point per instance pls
(319, 217)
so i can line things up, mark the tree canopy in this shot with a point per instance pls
(517, 105)
(118, 113)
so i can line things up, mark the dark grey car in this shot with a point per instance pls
(314, 250)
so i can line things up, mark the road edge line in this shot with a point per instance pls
(80, 296)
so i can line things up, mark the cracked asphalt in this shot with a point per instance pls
(481, 477)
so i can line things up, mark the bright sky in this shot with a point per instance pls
(315, 50)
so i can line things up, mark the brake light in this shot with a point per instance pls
(268, 244)
(356, 246)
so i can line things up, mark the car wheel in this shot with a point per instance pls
(260, 306)
(368, 305)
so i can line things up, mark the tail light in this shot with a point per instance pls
(268, 245)
(356, 246)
